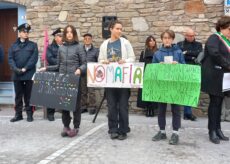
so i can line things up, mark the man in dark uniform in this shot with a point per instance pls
(23, 56)
(51, 57)
(191, 49)
(88, 100)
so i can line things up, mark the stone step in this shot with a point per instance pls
(6, 93)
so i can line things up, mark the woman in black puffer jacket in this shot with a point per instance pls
(71, 60)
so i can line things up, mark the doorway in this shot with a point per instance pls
(8, 19)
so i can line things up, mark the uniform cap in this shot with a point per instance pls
(24, 27)
(58, 31)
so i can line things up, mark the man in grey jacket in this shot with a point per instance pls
(88, 100)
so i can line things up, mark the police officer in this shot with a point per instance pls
(51, 57)
(88, 100)
(23, 56)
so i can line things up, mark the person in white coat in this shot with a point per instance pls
(117, 49)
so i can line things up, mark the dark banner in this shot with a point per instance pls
(54, 90)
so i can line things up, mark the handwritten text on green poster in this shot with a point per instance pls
(172, 83)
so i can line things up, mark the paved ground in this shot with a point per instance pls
(40, 142)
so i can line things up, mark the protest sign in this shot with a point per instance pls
(54, 90)
(114, 75)
(172, 83)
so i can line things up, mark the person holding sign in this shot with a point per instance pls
(215, 63)
(51, 57)
(168, 54)
(23, 57)
(117, 49)
(71, 59)
(147, 57)
(191, 49)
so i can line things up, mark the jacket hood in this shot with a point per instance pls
(167, 49)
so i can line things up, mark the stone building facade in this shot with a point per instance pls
(140, 18)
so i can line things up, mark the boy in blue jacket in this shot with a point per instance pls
(168, 53)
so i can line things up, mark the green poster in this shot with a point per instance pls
(172, 83)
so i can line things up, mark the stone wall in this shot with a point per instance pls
(140, 18)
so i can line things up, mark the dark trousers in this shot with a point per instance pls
(88, 95)
(176, 117)
(118, 118)
(66, 118)
(50, 111)
(214, 112)
(84, 91)
(23, 90)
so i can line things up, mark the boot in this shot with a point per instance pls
(17, 117)
(213, 137)
(29, 116)
(50, 116)
(147, 112)
(72, 132)
(151, 112)
(65, 131)
(221, 136)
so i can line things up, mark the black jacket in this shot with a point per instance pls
(71, 56)
(146, 56)
(23, 55)
(215, 63)
(193, 49)
(92, 54)
(51, 54)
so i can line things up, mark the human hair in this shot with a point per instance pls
(75, 37)
(223, 23)
(171, 33)
(113, 23)
(148, 39)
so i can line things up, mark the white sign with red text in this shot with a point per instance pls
(114, 75)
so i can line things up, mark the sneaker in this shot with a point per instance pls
(122, 136)
(72, 132)
(64, 132)
(174, 140)
(113, 135)
(159, 136)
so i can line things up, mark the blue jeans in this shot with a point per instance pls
(187, 110)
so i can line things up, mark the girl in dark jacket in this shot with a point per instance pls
(147, 57)
(168, 53)
(216, 61)
(71, 59)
